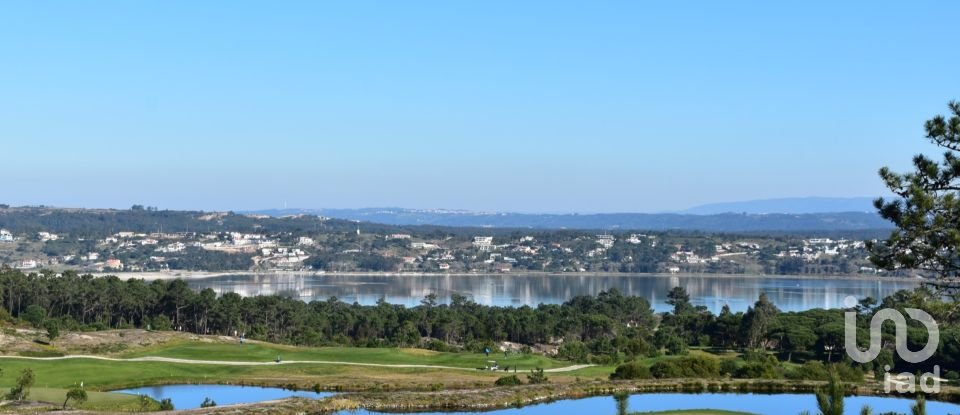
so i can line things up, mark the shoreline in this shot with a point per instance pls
(196, 275)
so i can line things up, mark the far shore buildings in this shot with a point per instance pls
(47, 236)
(483, 243)
(27, 264)
(5, 236)
(113, 263)
(606, 241)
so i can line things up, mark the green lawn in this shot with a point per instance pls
(264, 352)
(104, 375)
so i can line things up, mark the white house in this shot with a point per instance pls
(47, 236)
(5, 236)
(483, 243)
(27, 264)
(606, 241)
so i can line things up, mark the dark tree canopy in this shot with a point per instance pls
(926, 211)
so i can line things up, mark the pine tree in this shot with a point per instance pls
(926, 211)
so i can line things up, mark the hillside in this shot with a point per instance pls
(723, 222)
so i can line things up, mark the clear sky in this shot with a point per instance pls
(549, 106)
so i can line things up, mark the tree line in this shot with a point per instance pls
(603, 329)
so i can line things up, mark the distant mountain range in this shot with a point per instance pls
(709, 222)
(795, 205)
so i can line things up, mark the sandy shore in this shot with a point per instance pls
(189, 275)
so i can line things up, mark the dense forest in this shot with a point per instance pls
(608, 328)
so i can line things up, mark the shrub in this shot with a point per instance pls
(815, 370)
(812, 370)
(687, 367)
(166, 405)
(631, 370)
(511, 380)
(849, 373)
(666, 369)
(728, 367)
(439, 346)
(760, 366)
(53, 329)
(537, 377)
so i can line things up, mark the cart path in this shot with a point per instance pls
(268, 363)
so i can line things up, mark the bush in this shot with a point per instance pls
(760, 366)
(511, 380)
(53, 329)
(849, 373)
(666, 369)
(815, 370)
(631, 370)
(687, 367)
(952, 375)
(728, 367)
(439, 346)
(537, 377)
(759, 370)
(166, 405)
(812, 370)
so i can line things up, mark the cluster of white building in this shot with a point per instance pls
(281, 257)
(816, 248)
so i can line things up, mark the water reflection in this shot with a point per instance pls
(788, 293)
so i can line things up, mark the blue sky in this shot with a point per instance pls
(547, 106)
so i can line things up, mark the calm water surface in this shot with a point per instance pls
(191, 396)
(790, 294)
(783, 404)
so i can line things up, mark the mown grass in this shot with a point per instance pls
(265, 352)
(98, 375)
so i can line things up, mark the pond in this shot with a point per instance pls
(712, 291)
(191, 396)
(779, 404)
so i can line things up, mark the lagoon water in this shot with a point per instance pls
(191, 396)
(781, 404)
(712, 291)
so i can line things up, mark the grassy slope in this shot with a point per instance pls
(54, 377)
